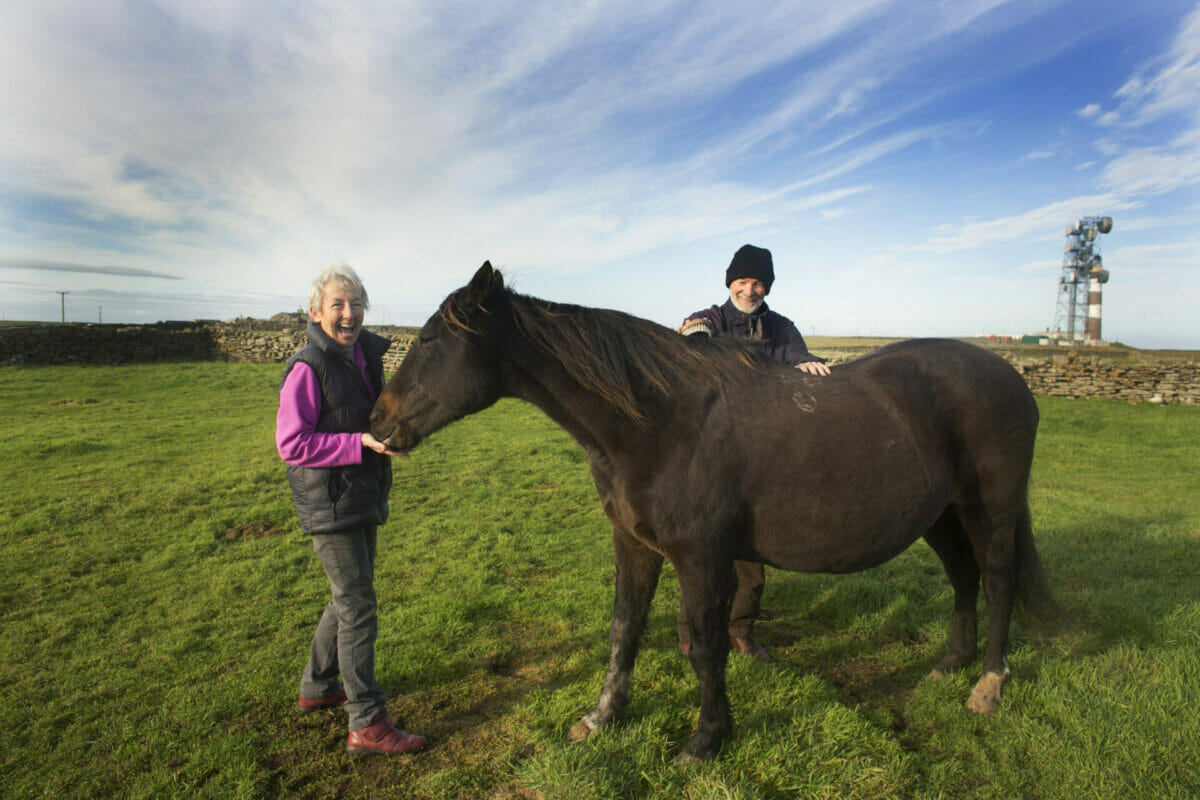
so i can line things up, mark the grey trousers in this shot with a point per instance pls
(345, 639)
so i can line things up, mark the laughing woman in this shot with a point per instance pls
(340, 476)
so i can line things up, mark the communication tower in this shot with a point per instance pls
(1083, 274)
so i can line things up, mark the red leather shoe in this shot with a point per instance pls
(381, 736)
(749, 647)
(307, 705)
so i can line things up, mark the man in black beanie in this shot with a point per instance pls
(745, 313)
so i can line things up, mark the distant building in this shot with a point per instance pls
(297, 318)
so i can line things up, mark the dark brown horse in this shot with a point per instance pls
(703, 452)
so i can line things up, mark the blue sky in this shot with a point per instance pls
(912, 165)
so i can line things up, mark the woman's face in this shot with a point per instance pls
(341, 313)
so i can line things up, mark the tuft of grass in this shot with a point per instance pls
(159, 599)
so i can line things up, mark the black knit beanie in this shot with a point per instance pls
(751, 262)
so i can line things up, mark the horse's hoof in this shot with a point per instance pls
(686, 757)
(580, 731)
(700, 748)
(951, 663)
(985, 697)
(982, 703)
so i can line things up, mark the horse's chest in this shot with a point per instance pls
(633, 509)
(641, 526)
(663, 517)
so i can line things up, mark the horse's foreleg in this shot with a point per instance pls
(637, 578)
(706, 594)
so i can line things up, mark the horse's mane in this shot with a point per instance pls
(622, 357)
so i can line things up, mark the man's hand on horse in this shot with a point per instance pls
(813, 367)
(695, 325)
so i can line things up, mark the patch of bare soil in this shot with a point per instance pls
(256, 529)
(69, 402)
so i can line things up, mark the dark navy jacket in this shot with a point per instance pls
(779, 335)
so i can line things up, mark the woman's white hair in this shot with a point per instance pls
(343, 275)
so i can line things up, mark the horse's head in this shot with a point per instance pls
(450, 371)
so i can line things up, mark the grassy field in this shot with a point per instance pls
(158, 601)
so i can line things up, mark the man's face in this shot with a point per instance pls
(747, 294)
(341, 313)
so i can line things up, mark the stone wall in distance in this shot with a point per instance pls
(269, 342)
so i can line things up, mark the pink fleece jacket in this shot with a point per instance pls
(296, 436)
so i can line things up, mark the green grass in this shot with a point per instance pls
(158, 600)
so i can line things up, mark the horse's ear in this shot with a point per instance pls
(497, 278)
(486, 281)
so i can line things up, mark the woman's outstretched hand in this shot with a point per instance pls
(371, 443)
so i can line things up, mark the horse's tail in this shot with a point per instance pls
(1034, 594)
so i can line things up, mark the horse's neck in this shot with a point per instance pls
(540, 379)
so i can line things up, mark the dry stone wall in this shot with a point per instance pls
(246, 341)
(268, 342)
(1177, 382)
(44, 343)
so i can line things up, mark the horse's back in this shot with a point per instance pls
(960, 397)
(941, 360)
(964, 377)
(942, 384)
(849, 469)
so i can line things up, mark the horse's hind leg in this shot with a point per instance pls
(637, 578)
(948, 538)
(994, 540)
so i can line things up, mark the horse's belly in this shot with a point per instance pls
(836, 549)
(845, 516)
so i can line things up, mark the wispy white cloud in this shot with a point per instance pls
(1152, 171)
(1168, 86)
(1045, 222)
(245, 144)
(58, 266)
(1042, 268)
(1148, 259)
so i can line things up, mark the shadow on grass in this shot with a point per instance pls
(872, 637)
(1119, 576)
(470, 706)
